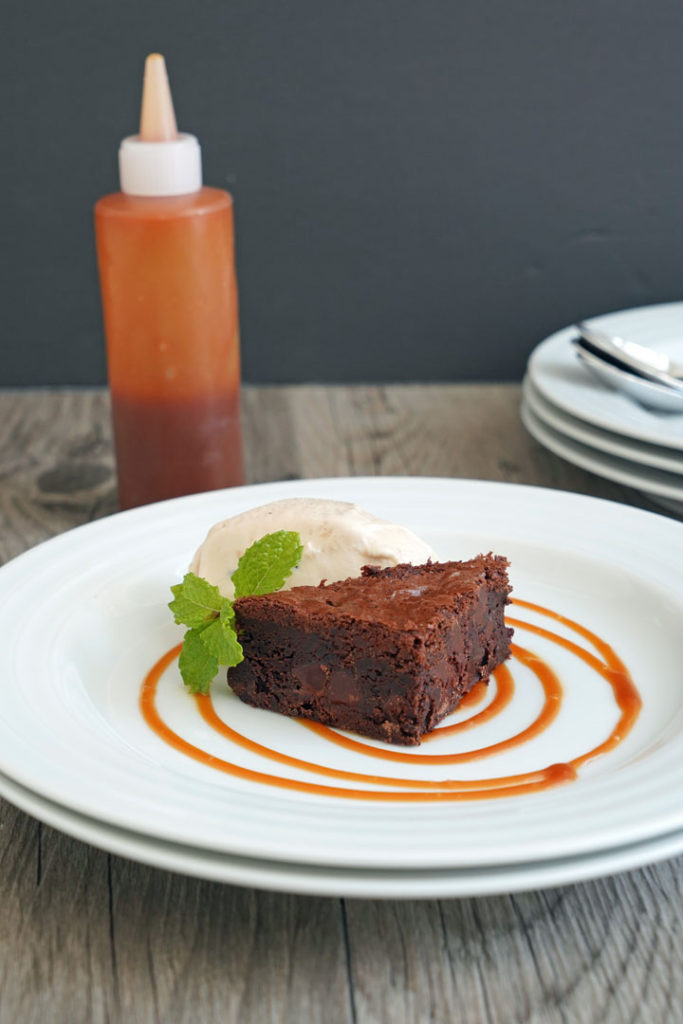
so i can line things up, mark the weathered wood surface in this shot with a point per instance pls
(85, 936)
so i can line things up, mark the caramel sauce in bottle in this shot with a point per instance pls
(165, 248)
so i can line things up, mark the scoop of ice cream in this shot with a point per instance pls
(338, 538)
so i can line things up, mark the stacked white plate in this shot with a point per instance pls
(581, 419)
(83, 618)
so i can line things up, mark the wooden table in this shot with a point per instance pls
(86, 936)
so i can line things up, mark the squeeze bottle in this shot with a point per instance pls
(165, 251)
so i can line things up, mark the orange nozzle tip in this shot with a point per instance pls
(157, 116)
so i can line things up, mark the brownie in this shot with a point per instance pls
(387, 654)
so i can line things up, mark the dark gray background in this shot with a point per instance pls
(424, 188)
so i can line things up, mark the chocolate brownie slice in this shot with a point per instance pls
(387, 654)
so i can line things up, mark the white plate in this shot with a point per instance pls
(557, 373)
(310, 880)
(649, 455)
(83, 617)
(653, 482)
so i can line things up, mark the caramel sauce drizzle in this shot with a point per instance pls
(505, 683)
(613, 671)
(505, 691)
(608, 665)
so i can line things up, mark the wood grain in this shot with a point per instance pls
(85, 936)
(216, 952)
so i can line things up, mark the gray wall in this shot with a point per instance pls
(424, 188)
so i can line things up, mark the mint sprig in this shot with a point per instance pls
(211, 639)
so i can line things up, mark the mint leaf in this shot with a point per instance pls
(196, 601)
(211, 639)
(227, 615)
(265, 565)
(220, 639)
(197, 664)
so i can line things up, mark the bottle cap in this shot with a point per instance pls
(160, 161)
(160, 168)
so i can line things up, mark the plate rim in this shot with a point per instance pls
(339, 882)
(603, 441)
(592, 461)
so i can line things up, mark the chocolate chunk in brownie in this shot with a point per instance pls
(387, 654)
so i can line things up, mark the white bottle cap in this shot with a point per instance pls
(168, 168)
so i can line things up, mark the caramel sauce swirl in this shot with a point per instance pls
(606, 663)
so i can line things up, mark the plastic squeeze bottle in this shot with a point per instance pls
(165, 250)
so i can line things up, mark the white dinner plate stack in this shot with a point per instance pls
(576, 416)
(84, 617)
